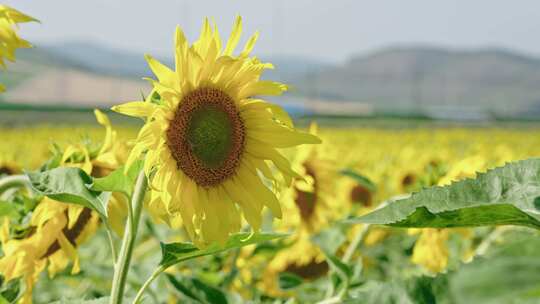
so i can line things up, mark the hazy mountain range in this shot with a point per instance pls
(425, 79)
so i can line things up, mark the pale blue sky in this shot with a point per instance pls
(330, 29)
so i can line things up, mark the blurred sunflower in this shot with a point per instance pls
(309, 207)
(361, 198)
(56, 229)
(431, 249)
(9, 39)
(209, 141)
(8, 166)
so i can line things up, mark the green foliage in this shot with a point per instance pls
(103, 300)
(502, 196)
(118, 180)
(342, 269)
(510, 274)
(197, 290)
(8, 209)
(360, 179)
(10, 291)
(174, 253)
(374, 292)
(289, 280)
(70, 185)
(330, 239)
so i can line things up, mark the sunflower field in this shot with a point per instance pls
(213, 195)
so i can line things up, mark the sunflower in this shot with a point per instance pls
(56, 229)
(9, 40)
(210, 141)
(8, 166)
(431, 250)
(309, 206)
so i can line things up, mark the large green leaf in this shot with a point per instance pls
(174, 253)
(70, 185)
(507, 195)
(509, 274)
(118, 180)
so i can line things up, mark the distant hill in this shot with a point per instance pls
(102, 59)
(491, 79)
(109, 61)
(83, 73)
(434, 81)
(43, 76)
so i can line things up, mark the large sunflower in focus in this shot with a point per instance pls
(210, 141)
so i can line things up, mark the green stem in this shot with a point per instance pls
(149, 281)
(234, 270)
(488, 241)
(121, 267)
(14, 181)
(354, 244)
(349, 252)
(111, 242)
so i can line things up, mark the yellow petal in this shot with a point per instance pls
(70, 251)
(232, 42)
(162, 72)
(263, 87)
(249, 45)
(136, 108)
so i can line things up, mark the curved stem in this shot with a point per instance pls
(121, 267)
(355, 243)
(149, 281)
(111, 242)
(492, 237)
(14, 181)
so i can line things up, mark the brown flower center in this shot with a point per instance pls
(312, 270)
(408, 180)
(306, 201)
(361, 195)
(206, 136)
(5, 170)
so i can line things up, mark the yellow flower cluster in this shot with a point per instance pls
(56, 229)
(397, 161)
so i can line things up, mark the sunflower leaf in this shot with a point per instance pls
(342, 269)
(10, 291)
(288, 280)
(174, 253)
(508, 195)
(70, 185)
(360, 179)
(197, 290)
(507, 274)
(117, 181)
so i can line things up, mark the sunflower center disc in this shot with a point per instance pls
(361, 195)
(209, 135)
(206, 136)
